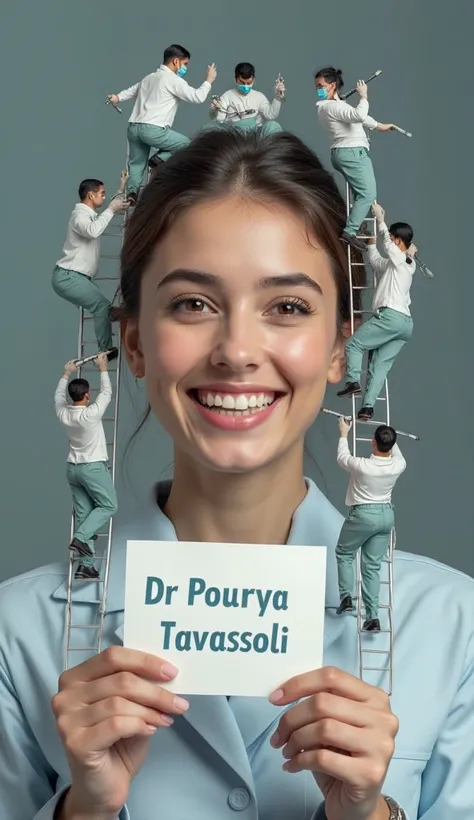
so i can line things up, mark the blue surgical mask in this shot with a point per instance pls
(322, 93)
(182, 71)
(244, 89)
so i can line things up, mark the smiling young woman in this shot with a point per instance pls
(234, 300)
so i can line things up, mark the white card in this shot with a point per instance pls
(236, 619)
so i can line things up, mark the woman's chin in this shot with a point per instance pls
(234, 459)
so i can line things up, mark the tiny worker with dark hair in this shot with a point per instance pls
(93, 492)
(370, 520)
(391, 325)
(73, 276)
(245, 107)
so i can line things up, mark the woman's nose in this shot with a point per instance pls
(240, 344)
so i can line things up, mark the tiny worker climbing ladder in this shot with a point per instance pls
(82, 639)
(375, 650)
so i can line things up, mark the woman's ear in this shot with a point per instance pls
(131, 344)
(337, 364)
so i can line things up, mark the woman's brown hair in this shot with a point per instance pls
(278, 169)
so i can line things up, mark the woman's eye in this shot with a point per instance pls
(290, 308)
(191, 305)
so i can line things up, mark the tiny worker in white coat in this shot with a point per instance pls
(245, 107)
(390, 327)
(93, 491)
(349, 145)
(156, 103)
(73, 276)
(370, 521)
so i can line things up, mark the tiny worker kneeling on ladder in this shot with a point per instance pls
(370, 521)
(156, 103)
(245, 107)
(93, 492)
(73, 276)
(350, 145)
(391, 325)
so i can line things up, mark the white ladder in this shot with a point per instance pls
(107, 280)
(375, 650)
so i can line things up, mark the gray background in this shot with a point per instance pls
(59, 60)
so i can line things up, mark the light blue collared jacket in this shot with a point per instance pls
(216, 762)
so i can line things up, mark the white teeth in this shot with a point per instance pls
(241, 402)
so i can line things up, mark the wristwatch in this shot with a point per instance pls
(396, 812)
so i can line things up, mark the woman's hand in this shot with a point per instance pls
(106, 711)
(344, 733)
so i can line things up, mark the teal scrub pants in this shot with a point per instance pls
(142, 137)
(247, 124)
(367, 527)
(83, 292)
(384, 334)
(94, 500)
(356, 167)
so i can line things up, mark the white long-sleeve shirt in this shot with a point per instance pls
(235, 104)
(371, 479)
(82, 246)
(83, 424)
(393, 289)
(158, 94)
(345, 122)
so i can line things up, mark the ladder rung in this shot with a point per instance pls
(376, 669)
(110, 233)
(363, 439)
(84, 626)
(377, 651)
(88, 580)
(83, 649)
(357, 264)
(106, 278)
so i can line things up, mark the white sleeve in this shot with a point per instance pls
(343, 112)
(183, 91)
(224, 103)
(97, 409)
(345, 460)
(91, 228)
(129, 93)
(397, 456)
(60, 397)
(394, 254)
(269, 110)
(376, 261)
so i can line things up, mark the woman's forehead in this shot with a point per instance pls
(240, 238)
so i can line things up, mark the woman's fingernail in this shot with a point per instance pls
(276, 696)
(169, 671)
(286, 766)
(285, 752)
(275, 740)
(167, 720)
(150, 729)
(180, 703)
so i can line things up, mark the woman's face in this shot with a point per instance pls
(236, 336)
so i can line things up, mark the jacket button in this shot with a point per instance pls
(238, 799)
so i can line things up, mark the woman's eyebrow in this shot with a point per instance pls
(284, 280)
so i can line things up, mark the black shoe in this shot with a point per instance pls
(351, 389)
(80, 547)
(345, 605)
(358, 244)
(132, 197)
(154, 161)
(86, 573)
(365, 413)
(112, 354)
(371, 625)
